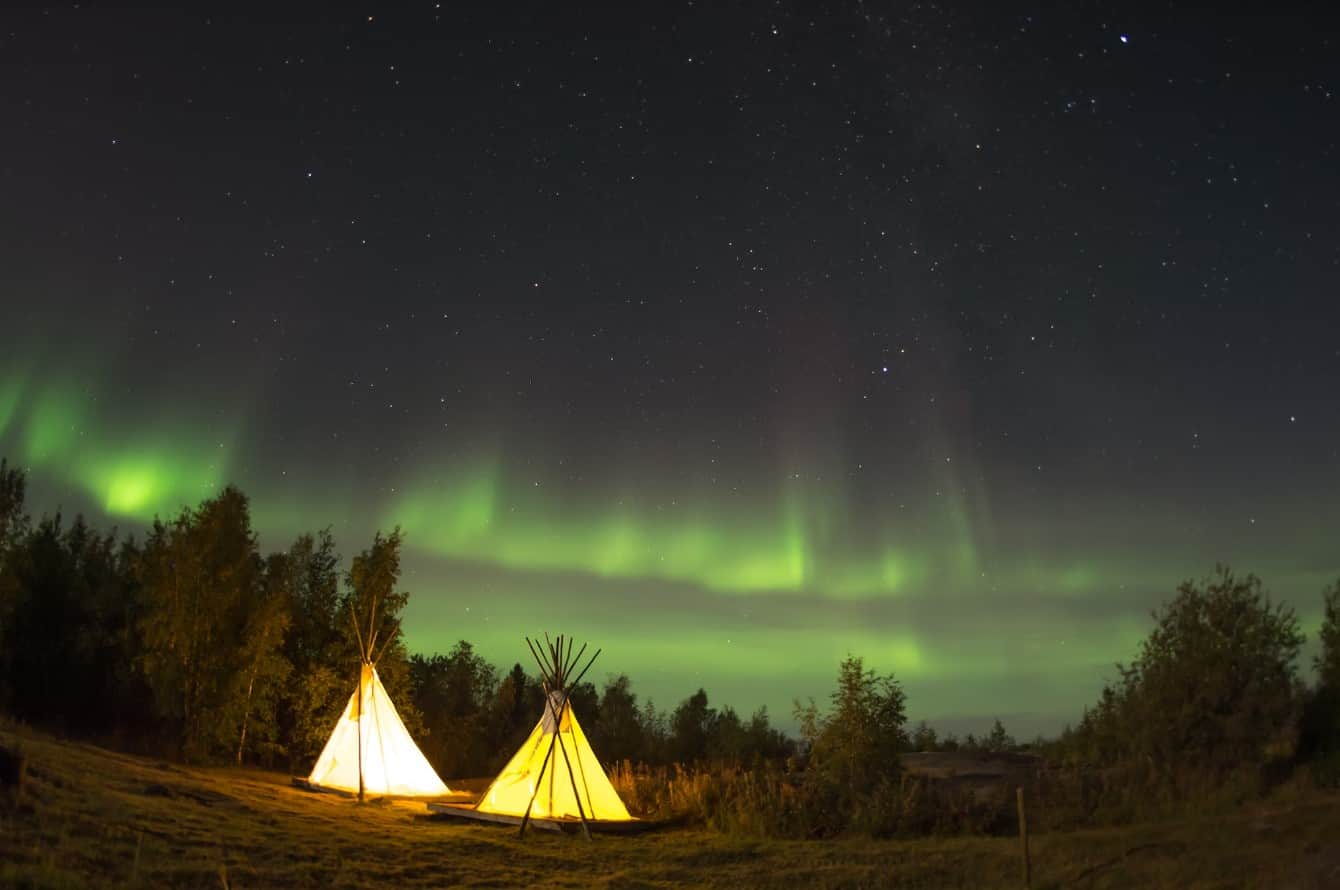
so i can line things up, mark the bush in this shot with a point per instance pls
(773, 801)
(1213, 690)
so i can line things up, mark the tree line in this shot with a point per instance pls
(190, 642)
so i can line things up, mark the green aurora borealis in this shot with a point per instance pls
(755, 595)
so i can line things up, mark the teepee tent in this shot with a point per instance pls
(370, 751)
(555, 777)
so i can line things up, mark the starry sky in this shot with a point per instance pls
(732, 337)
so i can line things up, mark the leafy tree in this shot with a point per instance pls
(115, 700)
(263, 667)
(923, 738)
(849, 780)
(1319, 736)
(585, 702)
(454, 693)
(318, 627)
(763, 741)
(13, 528)
(617, 733)
(198, 574)
(371, 599)
(517, 704)
(856, 743)
(1328, 659)
(43, 609)
(1214, 686)
(691, 725)
(316, 645)
(998, 739)
(726, 739)
(13, 490)
(655, 733)
(65, 639)
(732, 739)
(372, 604)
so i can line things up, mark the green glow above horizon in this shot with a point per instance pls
(11, 390)
(141, 484)
(754, 593)
(53, 425)
(799, 543)
(134, 474)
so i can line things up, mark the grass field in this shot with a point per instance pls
(89, 817)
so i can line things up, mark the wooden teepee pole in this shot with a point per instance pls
(358, 698)
(576, 795)
(539, 781)
(358, 728)
(556, 676)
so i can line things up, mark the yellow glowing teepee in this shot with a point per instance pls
(555, 775)
(370, 751)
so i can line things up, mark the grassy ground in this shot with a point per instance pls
(91, 817)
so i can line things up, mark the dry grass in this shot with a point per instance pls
(93, 818)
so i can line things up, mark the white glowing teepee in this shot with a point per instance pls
(555, 775)
(370, 751)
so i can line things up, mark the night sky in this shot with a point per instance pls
(733, 338)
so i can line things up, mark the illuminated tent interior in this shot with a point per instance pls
(565, 779)
(370, 751)
(555, 779)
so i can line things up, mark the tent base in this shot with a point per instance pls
(307, 784)
(459, 811)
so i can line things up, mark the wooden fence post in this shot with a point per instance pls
(1023, 835)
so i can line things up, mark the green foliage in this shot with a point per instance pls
(316, 698)
(69, 628)
(317, 628)
(699, 733)
(690, 725)
(733, 740)
(1319, 734)
(263, 669)
(456, 693)
(923, 738)
(372, 604)
(1214, 688)
(316, 646)
(772, 801)
(854, 747)
(998, 739)
(199, 574)
(13, 527)
(1328, 659)
(13, 491)
(371, 599)
(517, 703)
(618, 732)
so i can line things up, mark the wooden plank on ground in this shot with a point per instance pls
(632, 826)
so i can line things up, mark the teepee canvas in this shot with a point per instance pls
(555, 779)
(370, 750)
(555, 773)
